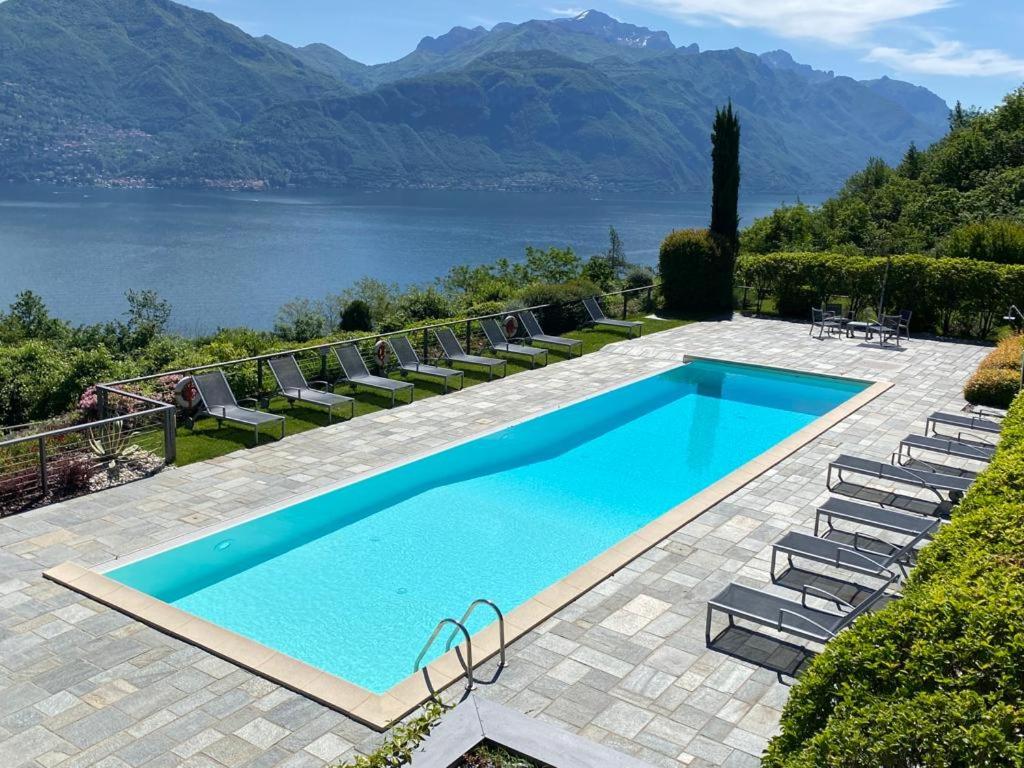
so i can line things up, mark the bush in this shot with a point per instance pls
(937, 678)
(997, 380)
(696, 273)
(357, 317)
(958, 295)
(566, 312)
(997, 240)
(300, 320)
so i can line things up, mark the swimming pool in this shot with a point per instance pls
(352, 581)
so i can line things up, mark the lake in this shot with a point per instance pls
(226, 259)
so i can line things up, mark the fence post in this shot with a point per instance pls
(426, 346)
(323, 363)
(650, 297)
(625, 303)
(43, 479)
(259, 377)
(469, 337)
(170, 436)
(101, 402)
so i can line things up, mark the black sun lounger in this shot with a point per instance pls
(409, 362)
(795, 617)
(864, 555)
(219, 402)
(933, 481)
(598, 317)
(354, 370)
(536, 334)
(454, 353)
(947, 446)
(961, 421)
(292, 385)
(497, 341)
(871, 516)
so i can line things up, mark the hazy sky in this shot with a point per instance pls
(972, 50)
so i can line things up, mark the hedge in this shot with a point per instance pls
(997, 380)
(958, 296)
(696, 271)
(936, 678)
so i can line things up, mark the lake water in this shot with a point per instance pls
(226, 259)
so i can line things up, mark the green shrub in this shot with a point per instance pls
(937, 678)
(356, 316)
(696, 273)
(566, 312)
(997, 380)
(997, 240)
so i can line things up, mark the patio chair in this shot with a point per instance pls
(960, 449)
(866, 555)
(292, 385)
(598, 317)
(931, 481)
(409, 362)
(887, 327)
(355, 372)
(218, 402)
(903, 327)
(536, 334)
(454, 353)
(824, 321)
(961, 421)
(871, 516)
(794, 617)
(497, 341)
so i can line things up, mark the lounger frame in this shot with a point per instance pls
(294, 394)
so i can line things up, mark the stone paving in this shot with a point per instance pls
(626, 664)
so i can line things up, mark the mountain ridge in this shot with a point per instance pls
(152, 92)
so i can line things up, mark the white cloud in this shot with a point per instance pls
(835, 21)
(571, 12)
(949, 57)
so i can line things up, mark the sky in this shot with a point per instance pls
(967, 50)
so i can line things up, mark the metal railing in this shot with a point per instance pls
(37, 468)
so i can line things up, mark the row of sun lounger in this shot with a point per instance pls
(218, 401)
(855, 551)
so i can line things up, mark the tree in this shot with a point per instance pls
(911, 165)
(725, 176)
(616, 253)
(29, 318)
(147, 315)
(356, 316)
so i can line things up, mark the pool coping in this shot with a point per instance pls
(381, 711)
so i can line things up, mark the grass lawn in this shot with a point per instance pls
(208, 440)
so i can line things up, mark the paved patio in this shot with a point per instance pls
(626, 665)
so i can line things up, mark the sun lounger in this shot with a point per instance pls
(864, 555)
(409, 362)
(497, 341)
(536, 334)
(218, 401)
(947, 446)
(355, 372)
(933, 481)
(292, 385)
(454, 353)
(794, 617)
(871, 516)
(598, 317)
(961, 421)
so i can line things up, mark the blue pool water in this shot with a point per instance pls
(354, 580)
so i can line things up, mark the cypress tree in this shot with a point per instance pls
(725, 176)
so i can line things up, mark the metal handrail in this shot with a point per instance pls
(501, 624)
(358, 340)
(459, 627)
(82, 426)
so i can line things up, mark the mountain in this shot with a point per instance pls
(86, 85)
(149, 91)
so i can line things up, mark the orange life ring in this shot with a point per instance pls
(511, 326)
(381, 351)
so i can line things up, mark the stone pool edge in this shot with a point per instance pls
(382, 711)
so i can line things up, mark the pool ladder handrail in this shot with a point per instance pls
(459, 626)
(501, 624)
